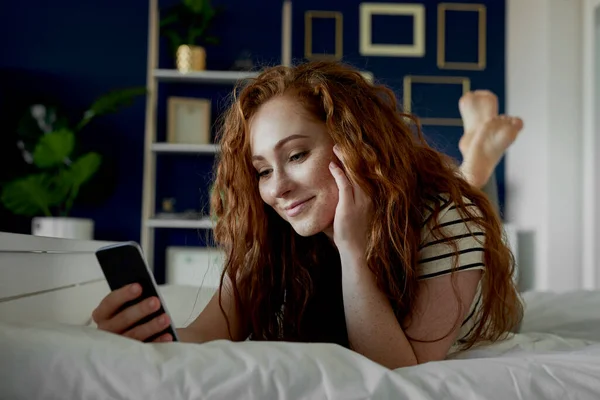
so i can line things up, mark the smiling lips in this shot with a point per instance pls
(297, 207)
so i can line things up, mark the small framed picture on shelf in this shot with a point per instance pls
(188, 120)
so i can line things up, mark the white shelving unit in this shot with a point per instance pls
(204, 223)
(154, 149)
(185, 148)
(210, 77)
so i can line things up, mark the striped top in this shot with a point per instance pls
(437, 256)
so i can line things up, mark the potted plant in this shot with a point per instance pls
(186, 25)
(58, 172)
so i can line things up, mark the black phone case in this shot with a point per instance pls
(124, 264)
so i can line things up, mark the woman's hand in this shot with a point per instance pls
(108, 317)
(353, 213)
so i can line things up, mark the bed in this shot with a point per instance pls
(50, 349)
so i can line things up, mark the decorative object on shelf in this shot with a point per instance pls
(190, 58)
(168, 205)
(170, 213)
(187, 215)
(58, 171)
(409, 80)
(63, 227)
(482, 36)
(186, 25)
(368, 76)
(189, 120)
(243, 62)
(339, 35)
(368, 48)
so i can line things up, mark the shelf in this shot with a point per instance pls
(203, 223)
(214, 77)
(185, 148)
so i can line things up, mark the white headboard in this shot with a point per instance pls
(48, 279)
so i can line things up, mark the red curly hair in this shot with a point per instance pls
(288, 287)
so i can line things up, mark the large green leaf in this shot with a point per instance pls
(196, 5)
(53, 148)
(81, 171)
(111, 102)
(32, 195)
(84, 168)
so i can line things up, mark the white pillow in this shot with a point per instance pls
(570, 315)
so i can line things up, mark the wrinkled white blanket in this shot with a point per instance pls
(548, 360)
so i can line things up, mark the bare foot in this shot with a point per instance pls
(476, 108)
(487, 147)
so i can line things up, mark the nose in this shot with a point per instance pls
(281, 184)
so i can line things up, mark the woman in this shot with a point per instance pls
(341, 225)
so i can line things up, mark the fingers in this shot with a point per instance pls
(108, 317)
(164, 338)
(130, 316)
(348, 191)
(340, 179)
(151, 328)
(343, 184)
(114, 301)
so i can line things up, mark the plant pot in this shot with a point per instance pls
(63, 227)
(190, 58)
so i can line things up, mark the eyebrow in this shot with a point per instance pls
(283, 141)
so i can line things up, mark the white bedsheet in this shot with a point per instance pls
(52, 361)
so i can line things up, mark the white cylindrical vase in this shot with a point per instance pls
(63, 227)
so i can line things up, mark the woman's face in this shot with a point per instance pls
(291, 154)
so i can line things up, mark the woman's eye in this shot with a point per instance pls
(298, 156)
(264, 173)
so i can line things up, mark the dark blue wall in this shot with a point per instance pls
(69, 52)
(72, 51)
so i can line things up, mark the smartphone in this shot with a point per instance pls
(124, 264)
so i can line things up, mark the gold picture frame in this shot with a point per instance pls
(435, 80)
(482, 37)
(366, 45)
(339, 35)
(188, 120)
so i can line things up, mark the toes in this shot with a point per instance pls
(480, 101)
(465, 98)
(484, 92)
(517, 122)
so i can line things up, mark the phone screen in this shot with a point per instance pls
(124, 264)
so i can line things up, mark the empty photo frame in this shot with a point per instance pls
(368, 48)
(480, 9)
(308, 35)
(409, 80)
(189, 120)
